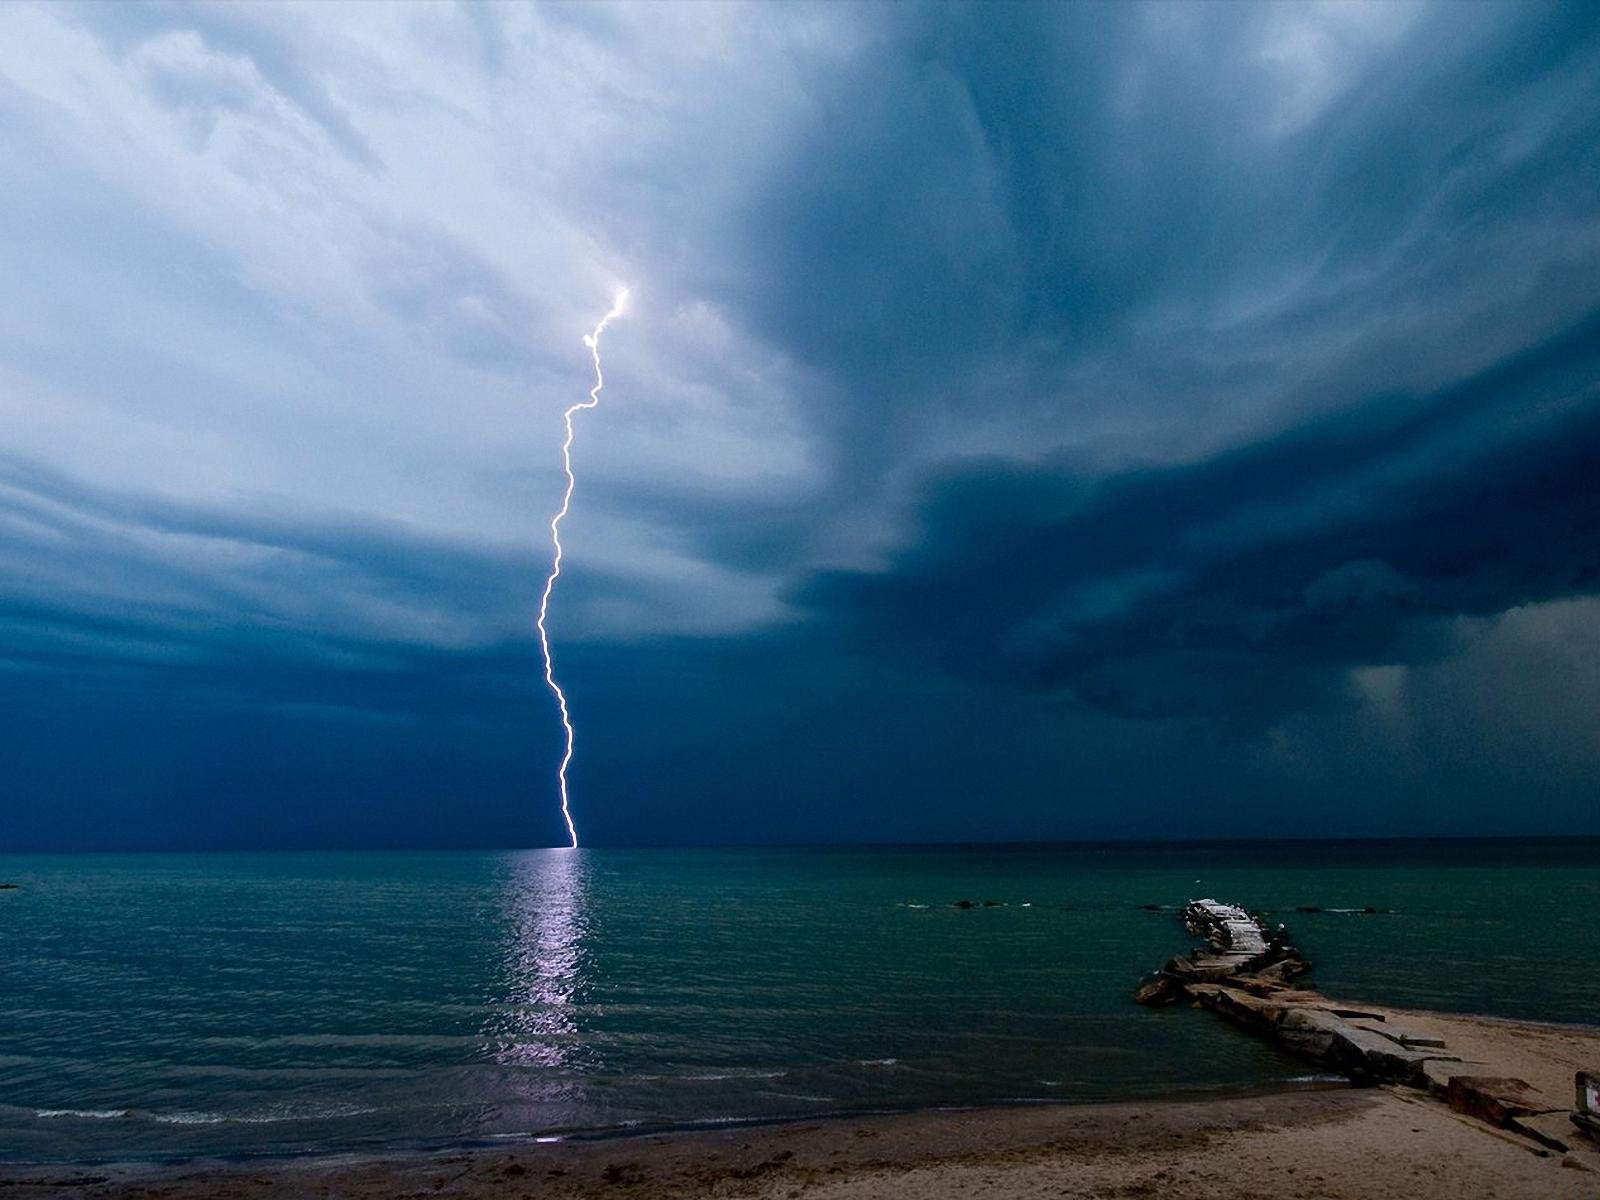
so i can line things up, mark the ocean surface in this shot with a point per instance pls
(168, 1006)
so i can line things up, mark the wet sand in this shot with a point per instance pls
(1336, 1143)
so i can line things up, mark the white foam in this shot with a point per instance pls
(87, 1114)
(728, 1075)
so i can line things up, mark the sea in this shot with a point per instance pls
(161, 1007)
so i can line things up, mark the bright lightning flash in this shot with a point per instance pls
(591, 340)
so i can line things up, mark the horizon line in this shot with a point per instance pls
(1176, 842)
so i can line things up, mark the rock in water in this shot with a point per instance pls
(1163, 989)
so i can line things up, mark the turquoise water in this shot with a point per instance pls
(222, 1004)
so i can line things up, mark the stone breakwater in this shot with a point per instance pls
(1249, 974)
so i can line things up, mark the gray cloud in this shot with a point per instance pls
(1072, 378)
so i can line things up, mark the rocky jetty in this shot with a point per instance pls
(1247, 974)
(1237, 947)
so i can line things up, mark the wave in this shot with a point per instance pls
(267, 1117)
(733, 1075)
(192, 1118)
(709, 1076)
(83, 1114)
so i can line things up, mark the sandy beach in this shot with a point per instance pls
(1335, 1142)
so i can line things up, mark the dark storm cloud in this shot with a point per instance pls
(114, 536)
(263, 610)
(1247, 585)
(1009, 191)
(1019, 395)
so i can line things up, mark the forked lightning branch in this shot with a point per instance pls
(592, 341)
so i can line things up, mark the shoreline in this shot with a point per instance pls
(735, 1149)
(593, 1135)
(1312, 1080)
(1325, 1140)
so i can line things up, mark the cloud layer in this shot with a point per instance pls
(1036, 421)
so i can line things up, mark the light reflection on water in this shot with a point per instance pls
(546, 906)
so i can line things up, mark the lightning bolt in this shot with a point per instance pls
(591, 340)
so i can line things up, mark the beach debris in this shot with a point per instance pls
(1586, 1109)
(1495, 1100)
(1498, 1100)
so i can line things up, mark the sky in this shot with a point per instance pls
(1031, 421)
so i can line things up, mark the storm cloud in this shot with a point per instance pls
(1035, 420)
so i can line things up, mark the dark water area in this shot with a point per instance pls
(176, 1005)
